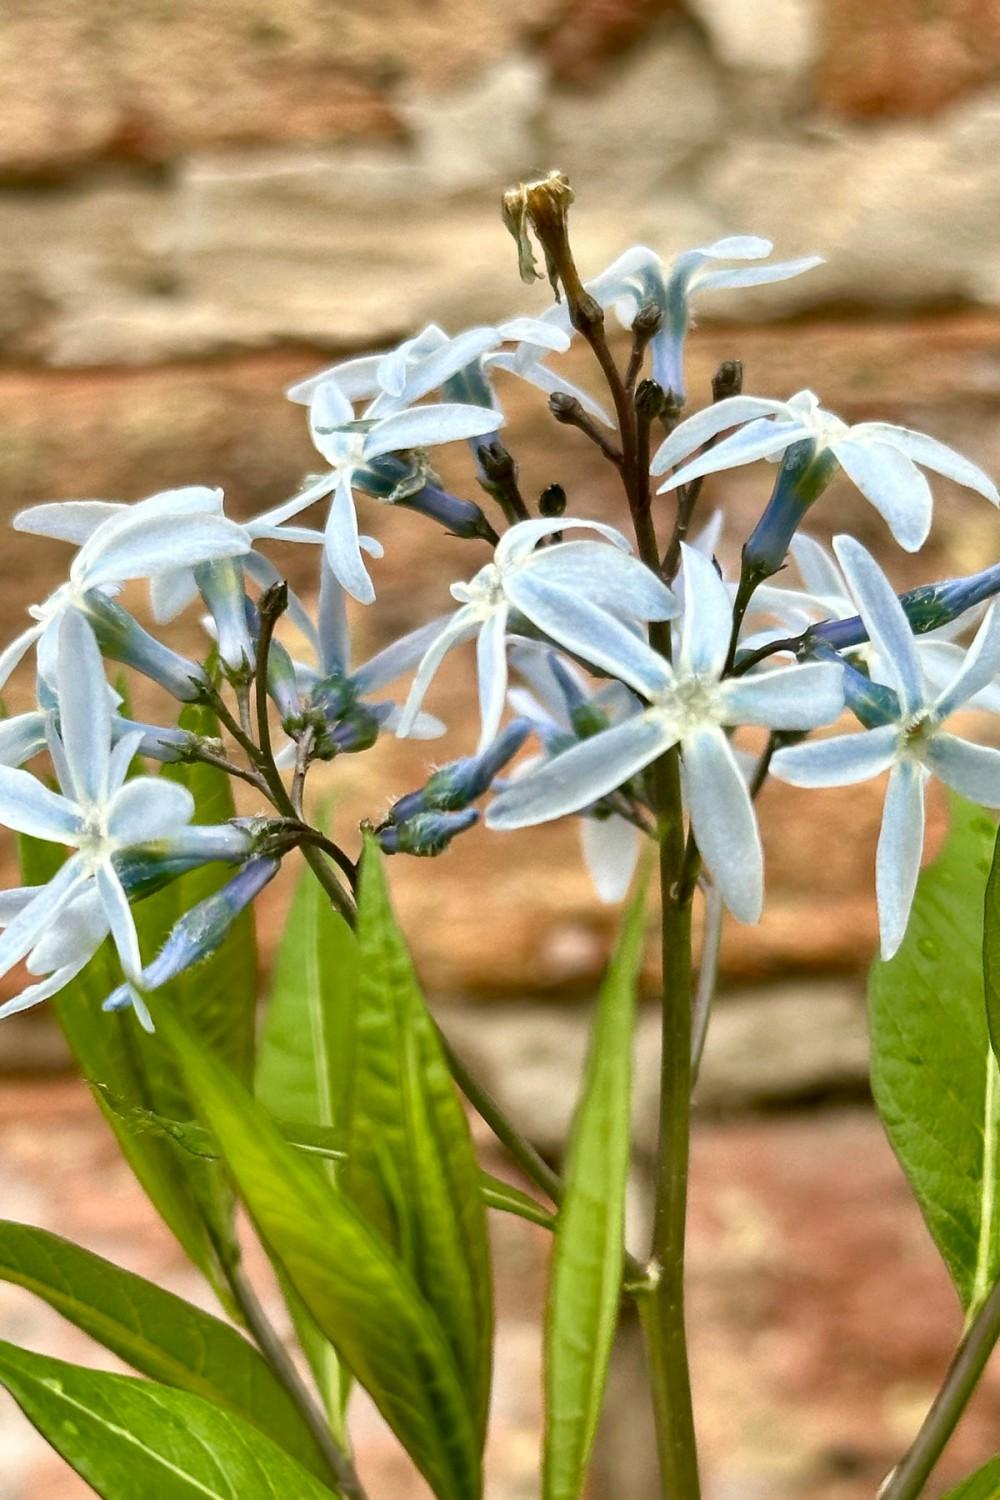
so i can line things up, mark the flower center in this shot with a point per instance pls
(95, 842)
(486, 589)
(917, 732)
(693, 702)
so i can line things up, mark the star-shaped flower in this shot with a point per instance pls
(910, 743)
(883, 460)
(690, 703)
(576, 593)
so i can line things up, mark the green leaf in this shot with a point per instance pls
(934, 1076)
(360, 1296)
(991, 950)
(303, 1068)
(410, 1164)
(133, 1439)
(588, 1258)
(984, 1484)
(158, 1334)
(510, 1200)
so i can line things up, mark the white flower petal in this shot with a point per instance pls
(978, 670)
(357, 379)
(764, 438)
(422, 727)
(120, 919)
(21, 737)
(170, 593)
(44, 989)
(708, 423)
(329, 411)
(550, 381)
(268, 524)
(900, 845)
(24, 931)
(781, 270)
(67, 520)
(399, 657)
(611, 853)
(972, 770)
(884, 619)
(723, 821)
(491, 663)
(26, 806)
(801, 697)
(459, 627)
(73, 941)
(891, 482)
(589, 632)
(941, 661)
(818, 570)
(84, 708)
(341, 541)
(423, 426)
(584, 774)
(146, 808)
(609, 578)
(536, 331)
(931, 454)
(519, 542)
(707, 625)
(843, 761)
(12, 656)
(160, 543)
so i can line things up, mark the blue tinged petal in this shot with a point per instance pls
(802, 697)
(843, 761)
(931, 454)
(333, 638)
(900, 845)
(763, 438)
(723, 821)
(611, 853)
(399, 657)
(43, 989)
(431, 372)
(129, 548)
(884, 619)
(24, 931)
(781, 270)
(550, 381)
(12, 655)
(423, 426)
(120, 919)
(519, 542)
(707, 623)
(581, 776)
(534, 331)
(329, 410)
(818, 569)
(491, 663)
(463, 624)
(67, 520)
(148, 808)
(609, 578)
(84, 708)
(356, 378)
(980, 667)
(971, 770)
(341, 541)
(127, 743)
(75, 939)
(889, 481)
(589, 632)
(170, 593)
(396, 364)
(21, 737)
(267, 524)
(708, 423)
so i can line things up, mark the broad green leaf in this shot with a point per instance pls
(360, 1295)
(135, 1439)
(589, 1253)
(934, 1076)
(991, 949)
(410, 1163)
(158, 1334)
(303, 1067)
(108, 1051)
(983, 1485)
(510, 1200)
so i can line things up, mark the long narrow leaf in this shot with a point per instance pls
(135, 1439)
(158, 1334)
(411, 1166)
(360, 1296)
(589, 1248)
(932, 1060)
(983, 1485)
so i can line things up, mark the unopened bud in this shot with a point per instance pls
(647, 321)
(650, 400)
(456, 785)
(727, 380)
(427, 833)
(552, 501)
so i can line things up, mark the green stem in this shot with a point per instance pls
(910, 1475)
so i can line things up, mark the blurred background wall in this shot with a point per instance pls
(198, 203)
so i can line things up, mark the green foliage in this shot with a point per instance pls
(934, 1076)
(991, 949)
(589, 1247)
(359, 1294)
(410, 1164)
(510, 1200)
(133, 1439)
(984, 1484)
(158, 1334)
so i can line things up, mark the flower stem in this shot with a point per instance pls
(910, 1475)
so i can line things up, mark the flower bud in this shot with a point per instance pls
(222, 588)
(389, 479)
(357, 730)
(426, 834)
(927, 607)
(123, 639)
(144, 868)
(727, 380)
(803, 476)
(552, 501)
(456, 785)
(281, 682)
(650, 400)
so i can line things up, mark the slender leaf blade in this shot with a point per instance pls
(360, 1296)
(410, 1163)
(991, 949)
(157, 1333)
(984, 1484)
(131, 1439)
(934, 1076)
(511, 1200)
(588, 1257)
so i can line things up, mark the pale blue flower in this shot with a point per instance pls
(881, 458)
(349, 445)
(97, 813)
(177, 529)
(576, 593)
(690, 703)
(639, 275)
(910, 744)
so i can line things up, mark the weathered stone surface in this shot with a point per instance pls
(768, 36)
(145, 82)
(587, 34)
(905, 57)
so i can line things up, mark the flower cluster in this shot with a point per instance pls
(622, 661)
